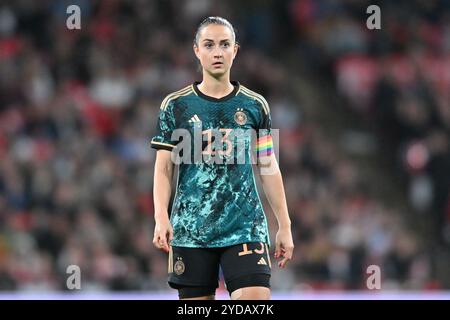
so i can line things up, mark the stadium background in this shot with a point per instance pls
(364, 119)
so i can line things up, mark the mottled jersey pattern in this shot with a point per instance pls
(216, 204)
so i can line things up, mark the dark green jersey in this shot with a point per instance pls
(216, 204)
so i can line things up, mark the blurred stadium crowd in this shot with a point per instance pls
(78, 108)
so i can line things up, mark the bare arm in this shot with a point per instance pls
(272, 183)
(161, 193)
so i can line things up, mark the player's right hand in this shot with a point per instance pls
(163, 234)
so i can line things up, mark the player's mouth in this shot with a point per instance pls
(217, 64)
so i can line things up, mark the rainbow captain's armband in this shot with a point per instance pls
(264, 146)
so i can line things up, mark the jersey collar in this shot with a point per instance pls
(225, 98)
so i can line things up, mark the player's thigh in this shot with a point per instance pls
(194, 272)
(247, 270)
(251, 293)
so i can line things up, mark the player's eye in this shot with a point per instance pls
(208, 45)
(225, 44)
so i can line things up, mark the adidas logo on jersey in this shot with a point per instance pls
(262, 261)
(195, 119)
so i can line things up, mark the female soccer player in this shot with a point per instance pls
(217, 219)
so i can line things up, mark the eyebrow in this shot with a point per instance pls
(213, 40)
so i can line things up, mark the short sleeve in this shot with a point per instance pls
(166, 124)
(264, 144)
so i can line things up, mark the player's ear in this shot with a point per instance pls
(236, 49)
(195, 48)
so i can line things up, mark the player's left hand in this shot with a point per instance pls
(284, 246)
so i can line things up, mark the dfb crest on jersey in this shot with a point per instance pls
(179, 266)
(240, 117)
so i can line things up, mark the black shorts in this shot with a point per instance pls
(195, 271)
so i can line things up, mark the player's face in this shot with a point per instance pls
(216, 49)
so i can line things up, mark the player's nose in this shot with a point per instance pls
(217, 53)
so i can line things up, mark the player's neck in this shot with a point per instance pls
(216, 88)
